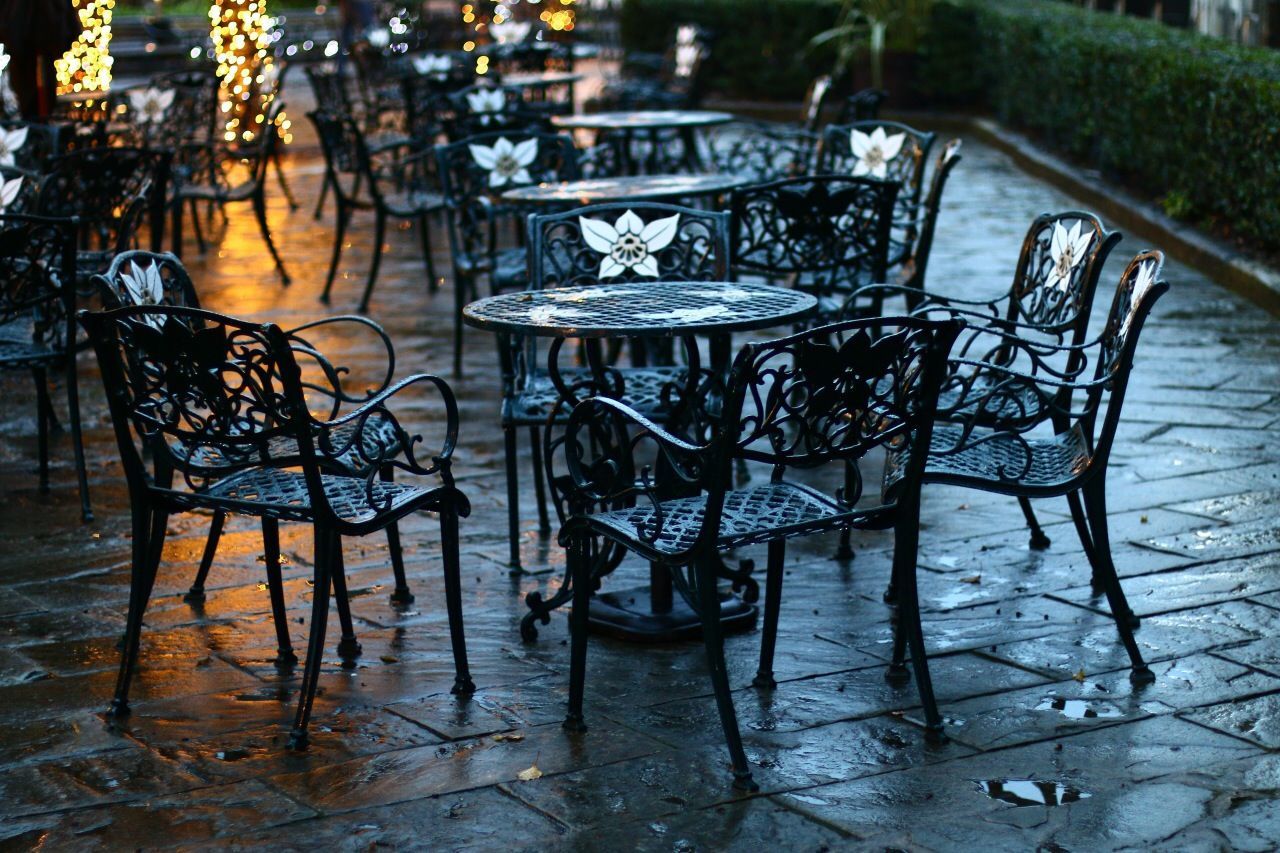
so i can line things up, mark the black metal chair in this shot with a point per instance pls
(658, 242)
(798, 403)
(863, 105)
(398, 186)
(762, 151)
(474, 172)
(1050, 298)
(29, 146)
(253, 189)
(826, 234)
(146, 278)
(1059, 447)
(37, 323)
(677, 82)
(487, 108)
(193, 387)
(19, 190)
(109, 191)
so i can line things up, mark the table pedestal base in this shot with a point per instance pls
(629, 615)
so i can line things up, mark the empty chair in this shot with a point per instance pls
(863, 105)
(186, 386)
(762, 151)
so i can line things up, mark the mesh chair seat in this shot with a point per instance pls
(377, 440)
(988, 459)
(411, 202)
(644, 387)
(752, 515)
(19, 353)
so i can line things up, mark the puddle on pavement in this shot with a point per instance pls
(1080, 709)
(1031, 792)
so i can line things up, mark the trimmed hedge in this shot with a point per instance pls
(759, 46)
(1190, 120)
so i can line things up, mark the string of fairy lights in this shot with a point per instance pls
(86, 67)
(241, 32)
(482, 17)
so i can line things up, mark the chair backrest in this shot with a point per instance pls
(170, 111)
(345, 152)
(485, 108)
(761, 151)
(863, 105)
(832, 230)
(814, 100)
(426, 102)
(37, 277)
(1057, 274)
(29, 146)
(137, 278)
(474, 172)
(19, 190)
(329, 88)
(879, 149)
(627, 242)
(108, 190)
(917, 262)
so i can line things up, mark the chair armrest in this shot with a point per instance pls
(334, 375)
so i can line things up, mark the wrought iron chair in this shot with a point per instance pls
(762, 151)
(257, 159)
(397, 187)
(1050, 297)
(146, 278)
(19, 190)
(1059, 447)
(109, 191)
(863, 105)
(678, 83)
(826, 234)
(37, 323)
(794, 404)
(888, 150)
(474, 173)
(486, 108)
(564, 251)
(193, 387)
(29, 146)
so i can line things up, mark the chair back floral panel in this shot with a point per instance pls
(1058, 269)
(609, 243)
(34, 255)
(837, 392)
(882, 149)
(832, 232)
(138, 278)
(485, 108)
(1140, 286)
(18, 190)
(12, 141)
(107, 188)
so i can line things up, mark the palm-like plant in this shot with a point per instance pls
(866, 23)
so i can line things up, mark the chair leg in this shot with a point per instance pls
(42, 429)
(845, 550)
(148, 543)
(1039, 541)
(284, 184)
(1095, 505)
(713, 639)
(379, 234)
(539, 481)
(348, 647)
(424, 234)
(401, 594)
(580, 570)
(772, 603)
(1081, 522)
(462, 683)
(260, 212)
(275, 588)
(195, 595)
(343, 218)
(325, 546)
(906, 540)
(77, 439)
(197, 229)
(462, 285)
(513, 496)
(175, 227)
(324, 191)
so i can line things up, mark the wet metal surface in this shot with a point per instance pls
(1051, 747)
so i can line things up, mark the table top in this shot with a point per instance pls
(632, 188)
(640, 309)
(643, 119)
(535, 79)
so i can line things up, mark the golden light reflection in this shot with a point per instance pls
(86, 67)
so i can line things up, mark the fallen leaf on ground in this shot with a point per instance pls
(1079, 676)
(389, 659)
(530, 774)
(972, 579)
(506, 737)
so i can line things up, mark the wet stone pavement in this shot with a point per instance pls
(1051, 748)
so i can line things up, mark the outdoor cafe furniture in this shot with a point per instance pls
(37, 324)
(220, 406)
(674, 80)
(140, 278)
(762, 151)
(398, 188)
(652, 311)
(826, 396)
(474, 173)
(547, 92)
(1050, 296)
(649, 141)
(1020, 456)
(863, 105)
(631, 188)
(29, 146)
(486, 108)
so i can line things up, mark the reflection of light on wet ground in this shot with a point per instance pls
(1031, 792)
(1080, 709)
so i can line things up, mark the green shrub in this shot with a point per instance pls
(1187, 119)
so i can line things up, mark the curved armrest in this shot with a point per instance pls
(373, 434)
(334, 374)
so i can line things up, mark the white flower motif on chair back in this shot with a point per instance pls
(432, 65)
(145, 287)
(1066, 250)
(629, 244)
(4, 59)
(687, 55)
(1146, 276)
(9, 192)
(507, 163)
(873, 151)
(486, 101)
(686, 34)
(10, 143)
(149, 105)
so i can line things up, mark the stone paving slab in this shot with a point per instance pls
(399, 762)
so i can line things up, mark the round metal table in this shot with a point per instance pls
(627, 125)
(640, 309)
(630, 188)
